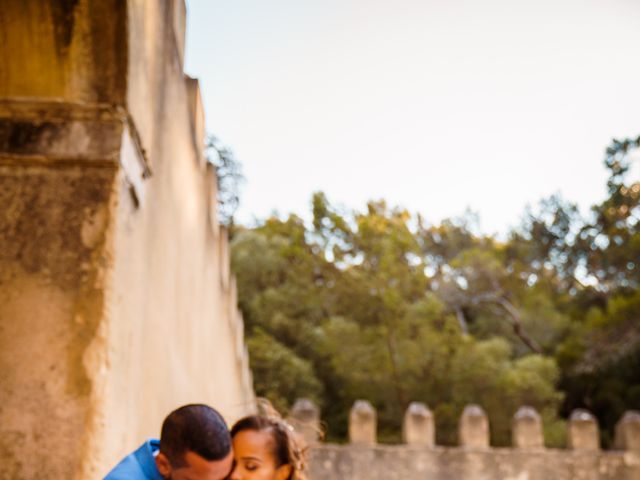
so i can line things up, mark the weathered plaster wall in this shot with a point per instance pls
(171, 277)
(437, 463)
(116, 302)
(74, 50)
(52, 273)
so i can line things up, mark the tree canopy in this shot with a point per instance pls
(380, 304)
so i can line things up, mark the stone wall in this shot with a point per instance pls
(474, 458)
(116, 300)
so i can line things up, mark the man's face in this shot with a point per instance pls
(195, 467)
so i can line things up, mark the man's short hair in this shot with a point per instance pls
(194, 428)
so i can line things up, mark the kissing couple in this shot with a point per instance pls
(196, 444)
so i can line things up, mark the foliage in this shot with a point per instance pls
(379, 304)
(228, 178)
(350, 297)
(279, 373)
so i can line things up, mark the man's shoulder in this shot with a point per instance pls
(128, 469)
(139, 464)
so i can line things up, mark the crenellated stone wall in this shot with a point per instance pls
(116, 300)
(474, 458)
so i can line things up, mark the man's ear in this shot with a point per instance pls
(163, 464)
(283, 472)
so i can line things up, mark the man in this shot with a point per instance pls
(194, 445)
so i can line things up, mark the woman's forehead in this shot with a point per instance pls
(253, 439)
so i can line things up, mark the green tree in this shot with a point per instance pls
(600, 359)
(280, 374)
(228, 178)
(361, 297)
(610, 243)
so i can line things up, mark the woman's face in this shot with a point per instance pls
(253, 453)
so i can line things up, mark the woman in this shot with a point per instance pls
(266, 448)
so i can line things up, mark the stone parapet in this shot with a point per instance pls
(474, 458)
(305, 419)
(473, 428)
(362, 423)
(628, 432)
(418, 427)
(526, 429)
(384, 462)
(582, 431)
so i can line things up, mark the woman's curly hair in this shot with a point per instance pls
(288, 446)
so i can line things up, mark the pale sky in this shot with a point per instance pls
(433, 105)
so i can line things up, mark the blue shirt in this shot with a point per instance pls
(139, 465)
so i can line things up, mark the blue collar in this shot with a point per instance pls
(145, 457)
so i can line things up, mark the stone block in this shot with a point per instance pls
(418, 427)
(362, 423)
(583, 431)
(305, 419)
(628, 432)
(473, 429)
(526, 429)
